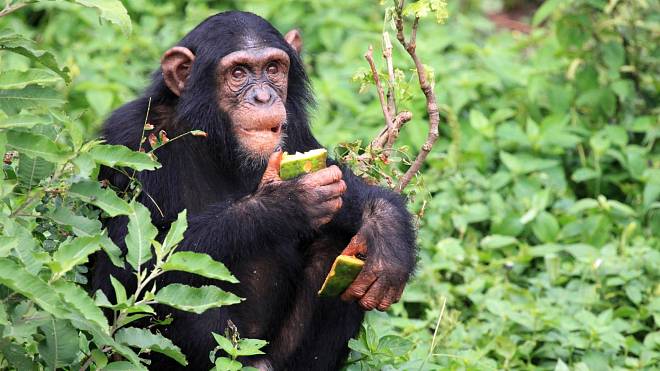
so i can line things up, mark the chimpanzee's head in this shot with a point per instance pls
(237, 78)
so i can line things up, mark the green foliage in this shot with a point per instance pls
(50, 229)
(540, 201)
(233, 346)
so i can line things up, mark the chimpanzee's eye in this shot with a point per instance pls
(272, 68)
(238, 73)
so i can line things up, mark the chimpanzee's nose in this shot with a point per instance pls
(261, 95)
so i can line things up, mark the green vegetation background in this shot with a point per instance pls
(539, 243)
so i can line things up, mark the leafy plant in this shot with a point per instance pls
(50, 207)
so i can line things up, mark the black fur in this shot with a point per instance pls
(265, 241)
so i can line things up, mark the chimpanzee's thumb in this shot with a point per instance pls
(272, 173)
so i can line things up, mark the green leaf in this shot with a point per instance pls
(250, 347)
(74, 252)
(120, 291)
(583, 174)
(200, 264)
(16, 355)
(25, 121)
(78, 299)
(15, 79)
(175, 234)
(497, 241)
(91, 192)
(110, 10)
(394, 345)
(122, 366)
(545, 10)
(100, 101)
(481, 124)
(13, 101)
(144, 339)
(225, 344)
(545, 227)
(32, 170)
(60, 345)
(37, 145)
(141, 234)
(195, 299)
(32, 287)
(16, 43)
(524, 163)
(227, 364)
(80, 225)
(121, 156)
(113, 252)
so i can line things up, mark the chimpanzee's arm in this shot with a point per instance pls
(234, 228)
(278, 212)
(380, 217)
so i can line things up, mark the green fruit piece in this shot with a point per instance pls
(342, 274)
(302, 163)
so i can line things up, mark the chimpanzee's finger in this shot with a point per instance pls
(388, 299)
(331, 190)
(323, 177)
(374, 295)
(359, 287)
(272, 172)
(398, 293)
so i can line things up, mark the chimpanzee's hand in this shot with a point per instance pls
(382, 279)
(319, 193)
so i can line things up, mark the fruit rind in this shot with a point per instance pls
(341, 275)
(297, 164)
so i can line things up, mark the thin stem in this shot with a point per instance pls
(9, 8)
(389, 123)
(427, 89)
(387, 55)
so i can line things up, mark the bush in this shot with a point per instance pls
(539, 238)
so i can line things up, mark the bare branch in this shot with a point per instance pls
(9, 8)
(381, 139)
(369, 55)
(427, 88)
(387, 55)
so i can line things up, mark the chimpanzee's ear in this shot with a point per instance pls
(294, 39)
(176, 64)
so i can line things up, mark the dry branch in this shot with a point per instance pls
(385, 139)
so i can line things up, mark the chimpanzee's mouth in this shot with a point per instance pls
(274, 129)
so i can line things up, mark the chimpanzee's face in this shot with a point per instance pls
(252, 89)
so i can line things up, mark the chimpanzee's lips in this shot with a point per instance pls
(273, 129)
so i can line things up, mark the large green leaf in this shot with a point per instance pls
(77, 299)
(91, 192)
(111, 10)
(144, 339)
(175, 234)
(32, 170)
(141, 234)
(118, 156)
(23, 121)
(195, 299)
(34, 288)
(59, 347)
(9, 40)
(200, 264)
(17, 79)
(37, 145)
(14, 100)
(80, 225)
(74, 252)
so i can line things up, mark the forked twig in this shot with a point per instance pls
(395, 120)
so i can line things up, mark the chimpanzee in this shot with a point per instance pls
(239, 80)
